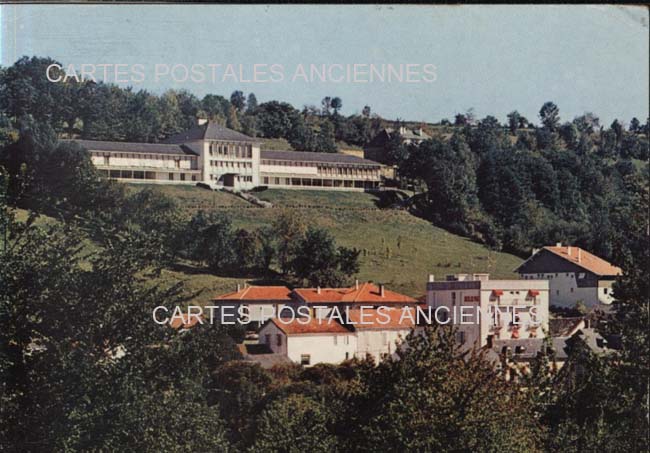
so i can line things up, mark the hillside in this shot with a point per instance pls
(397, 248)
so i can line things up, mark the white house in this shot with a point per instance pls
(468, 302)
(573, 275)
(310, 340)
(379, 335)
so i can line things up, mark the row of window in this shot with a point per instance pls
(550, 276)
(143, 156)
(313, 182)
(245, 151)
(222, 164)
(146, 175)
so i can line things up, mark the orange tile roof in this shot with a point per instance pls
(302, 326)
(385, 319)
(366, 293)
(279, 293)
(183, 322)
(586, 260)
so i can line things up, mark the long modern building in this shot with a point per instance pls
(223, 158)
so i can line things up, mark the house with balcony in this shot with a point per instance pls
(574, 275)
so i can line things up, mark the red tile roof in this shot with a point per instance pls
(385, 319)
(302, 326)
(586, 260)
(275, 293)
(366, 293)
(183, 322)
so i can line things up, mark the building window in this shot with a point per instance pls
(267, 339)
(605, 290)
(171, 176)
(279, 339)
(460, 337)
(305, 359)
(557, 292)
(182, 176)
(571, 289)
(453, 297)
(336, 340)
(384, 338)
(347, 338)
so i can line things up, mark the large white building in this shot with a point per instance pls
(574, 275)
(223, 158)
(522, 306)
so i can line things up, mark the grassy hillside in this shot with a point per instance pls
(398, 249)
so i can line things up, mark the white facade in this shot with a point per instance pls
(379, 343)
(309, 348)
(565, 289)
(522, 304)
(226, 159)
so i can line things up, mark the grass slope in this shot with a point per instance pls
(397, 248)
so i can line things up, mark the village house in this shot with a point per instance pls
(574, 275)
(377, 148)
(522, 307)
(226, 159)
(308, 341)
(264, 302)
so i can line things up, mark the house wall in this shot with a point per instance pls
(479, 297)
(269, 334)
(234, 161)
(322, 348)
(567, 288)
(378, 342)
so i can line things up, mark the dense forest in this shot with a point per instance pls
(83, 367)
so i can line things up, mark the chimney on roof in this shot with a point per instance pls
(238, 287)
(558, 244)
(356, 283)
(568, 250)
(579, 254)
(381, 290)
(432, 278)
(201, 121)
(318, 289)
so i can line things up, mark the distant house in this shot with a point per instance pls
(308, 341)
(379, 335)
(573, 274)
(260, 302)
(377, 147)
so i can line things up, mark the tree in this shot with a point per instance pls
(326, 105)
(288, 230)
(336, 104)
(251, 104)
(432, 375)
(277, 119)
(232, 122)
(514, 121)
(238, 100)
(318, 260)
(295, 423)
(549, 114)
(635, 125)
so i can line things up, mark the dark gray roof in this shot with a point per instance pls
(563, 327)
(209, 131)
(330, 158)
(529, 347)
(133, 147)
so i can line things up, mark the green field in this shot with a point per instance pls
(397, 248)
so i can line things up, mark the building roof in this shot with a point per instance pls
(411, 134)
(393, 318)
(310, 325)
(584, 259)
(134, 147)
(328, 158)
(528, 348)
(364, 293)
(183, 322)
(275, 293)
(209, 131)
(564, 327)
